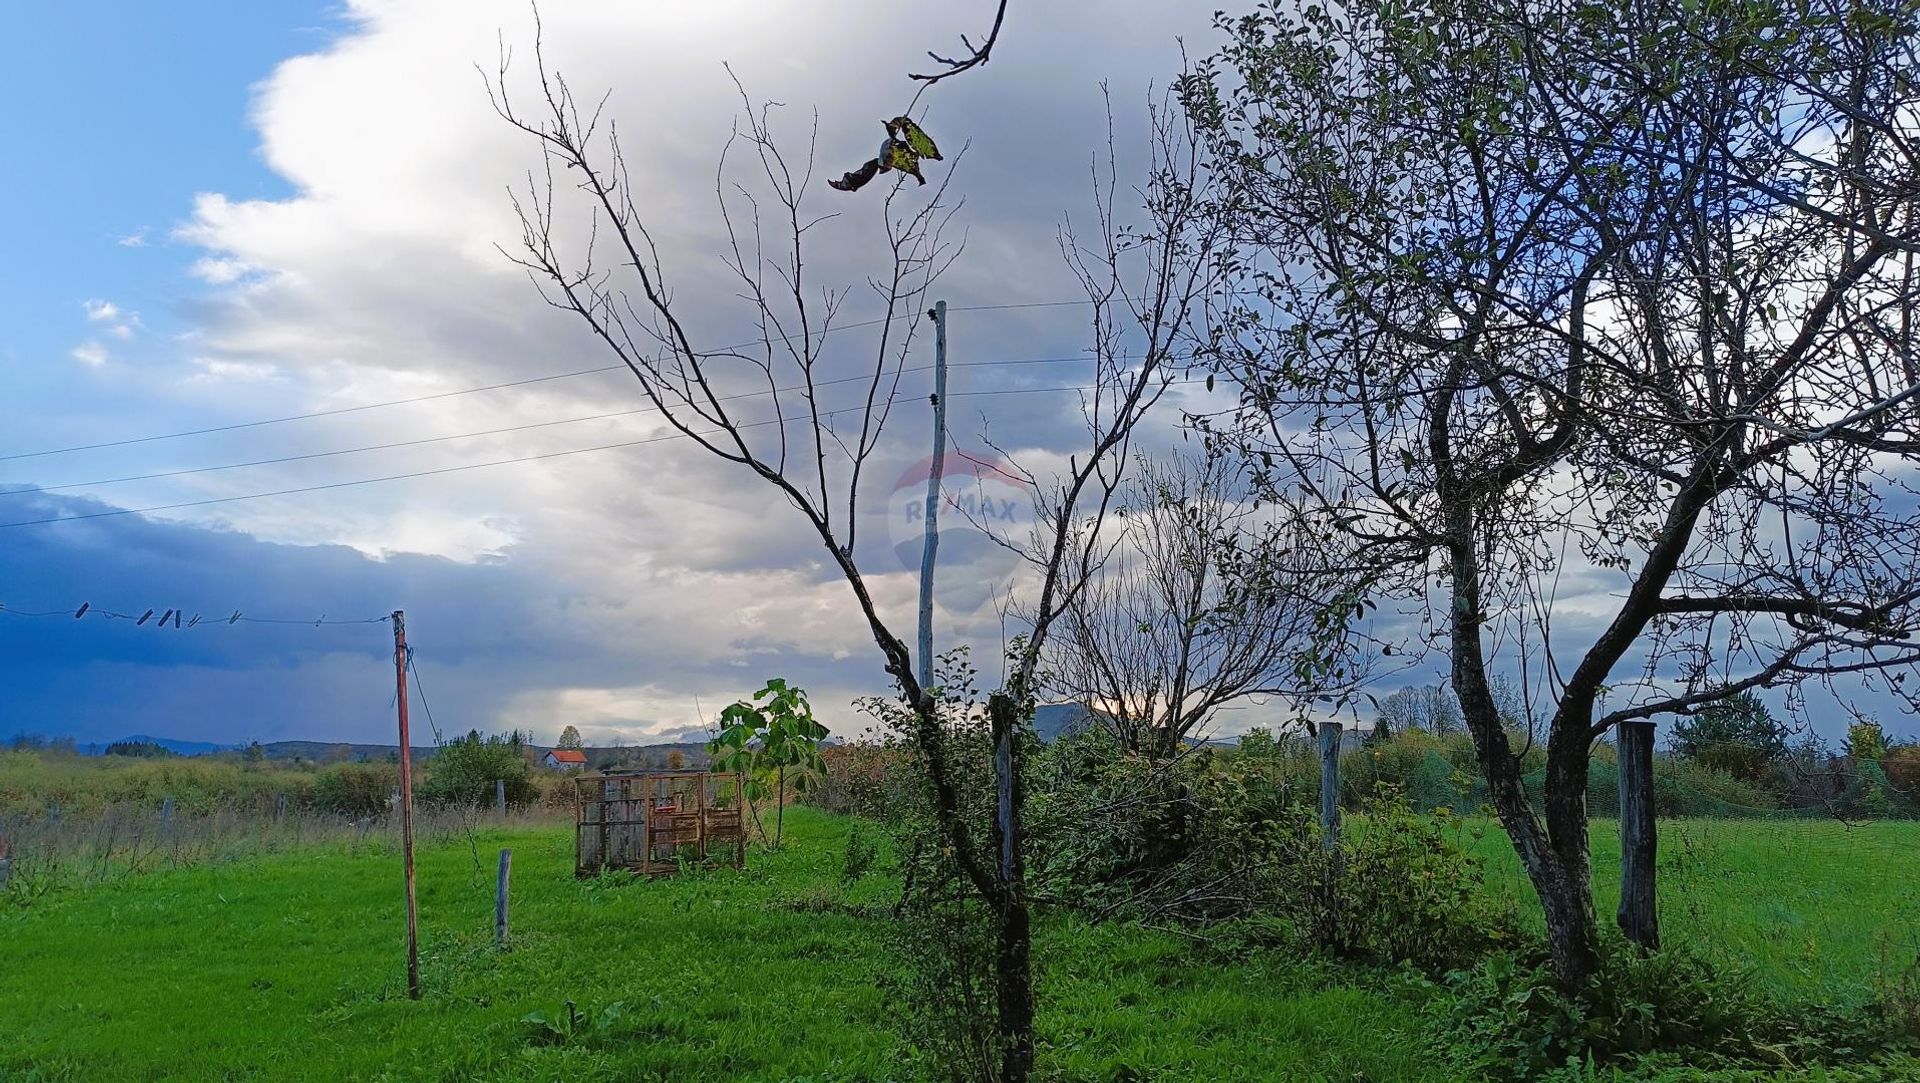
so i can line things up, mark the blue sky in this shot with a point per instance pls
(221, 213)
(117, 114)
(228, 212)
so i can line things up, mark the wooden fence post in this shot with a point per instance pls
(500, 797)
(1639, 845)
(500, 899)
(1330, 784)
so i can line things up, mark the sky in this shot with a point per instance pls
(226, 214)
(234, 213)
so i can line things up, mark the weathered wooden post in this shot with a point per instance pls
(500, 798)
(6, 862)
(1330, 785)
(500, 899)
(1639, 846)
(406, 802)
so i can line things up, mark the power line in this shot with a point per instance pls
(493, 432)
(112, 512)
(485, 387)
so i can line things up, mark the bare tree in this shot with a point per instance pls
(1427, 707)
(590, 253)
(1539, 298)
(1199, 603)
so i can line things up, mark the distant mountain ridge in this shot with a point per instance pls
(1050, 722)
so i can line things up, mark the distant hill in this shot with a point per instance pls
(1055, 720)
(180, 748)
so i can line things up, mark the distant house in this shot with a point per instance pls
(565, 759)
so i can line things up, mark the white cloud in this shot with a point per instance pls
(90, 353)
(380, 279)
(220, 272)
(120, 324)
(136, 239)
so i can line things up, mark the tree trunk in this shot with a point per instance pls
(1013, 964)
(1577, 936)
(1013, 955)
(780, 809)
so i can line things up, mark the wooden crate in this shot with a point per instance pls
(651, 821)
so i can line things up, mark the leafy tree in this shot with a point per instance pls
(1866, 741)
(1736, 735)
(569, 738)
(1531, 289)
(773, 734)
(463, 770)
(254, 753)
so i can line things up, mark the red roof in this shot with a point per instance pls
(568, 755)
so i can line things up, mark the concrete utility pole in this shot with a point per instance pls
(406, 801)
(938, 314)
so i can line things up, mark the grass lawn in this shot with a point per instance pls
(290, 967)
(1816, 908)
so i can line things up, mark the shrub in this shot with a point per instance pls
(464, 770)
(1207, 839)
(1507, 1019)
(1510, 1020)
(865, 778)
(1407, 889)
(355, 789)
(1902, 768)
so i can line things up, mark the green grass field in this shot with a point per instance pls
(289, 966)
(1817, 909)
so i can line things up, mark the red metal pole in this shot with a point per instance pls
(406, 801)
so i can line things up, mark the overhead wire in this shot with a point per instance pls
(425, 440)
(462, 467)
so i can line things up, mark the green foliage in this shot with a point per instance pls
(773, 735)
(1208, 838)
(1408, 888)
(462, 771)
(1507, 1019)
(355, 789)
(571, 1026)
(866, 778)
(1866, 741)
(1736, 735)
(569, 738)
(861, 851)
(1512, 1021)
(38, 782)
(146, 750)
